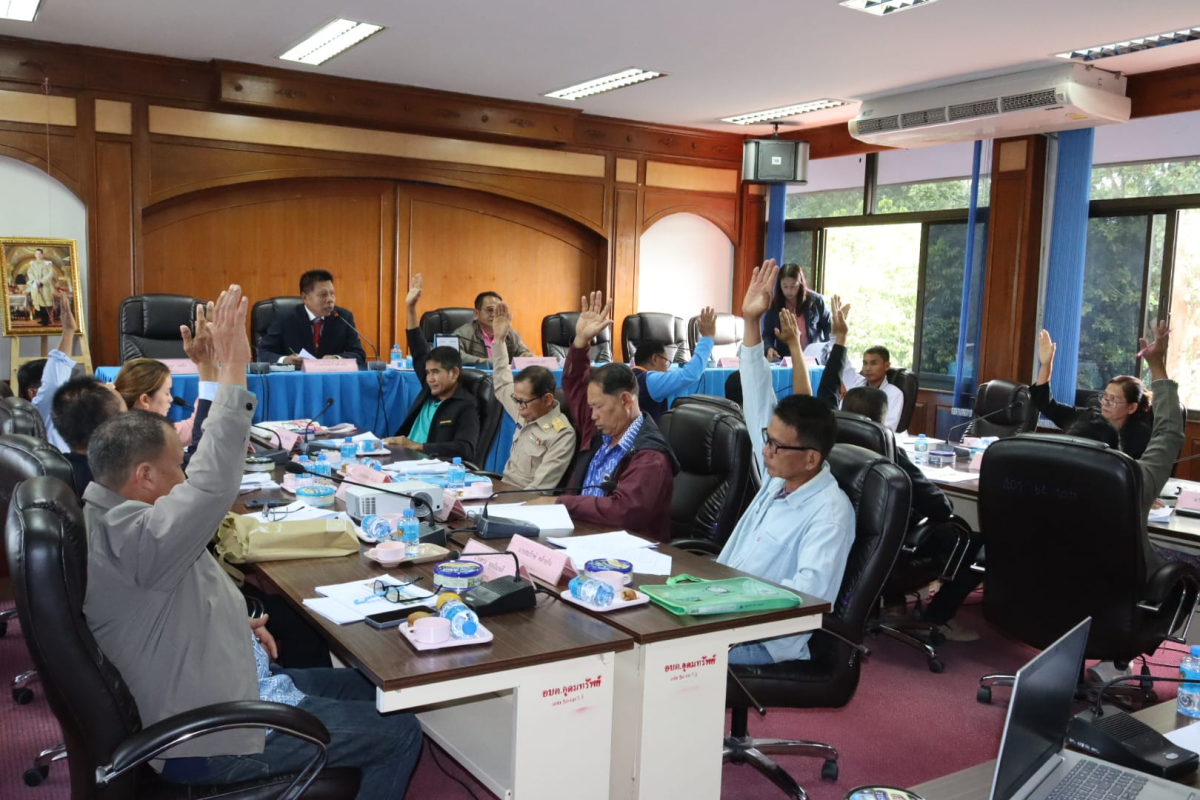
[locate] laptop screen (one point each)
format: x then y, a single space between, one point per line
1039 711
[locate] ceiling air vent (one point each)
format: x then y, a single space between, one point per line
1018 102
930 116
891 123
980 108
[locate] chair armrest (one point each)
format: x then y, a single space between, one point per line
150 742
701 547
1165 579
495 476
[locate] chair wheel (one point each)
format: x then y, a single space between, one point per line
936 665
984 695
937 638
22 696
35 775
829 771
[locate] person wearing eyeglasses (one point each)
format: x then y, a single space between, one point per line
652 369
799 528
1125 403
544 442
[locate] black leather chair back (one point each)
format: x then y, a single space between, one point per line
264 312
1062 524
714 482
864 432
25 457
20 417
733 387
444 321
558 331
907 382
666 328
723 403
731 329
47 549
479 385
149 325
1011 408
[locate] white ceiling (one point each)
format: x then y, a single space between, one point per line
723 57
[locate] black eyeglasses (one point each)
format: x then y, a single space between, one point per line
522 403
391 592
774 447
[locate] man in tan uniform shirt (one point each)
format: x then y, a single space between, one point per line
544 443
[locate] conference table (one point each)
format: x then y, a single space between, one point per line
564 701
975 783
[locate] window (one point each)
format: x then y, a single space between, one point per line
798 249
1183 359
941 308
925 179
834 189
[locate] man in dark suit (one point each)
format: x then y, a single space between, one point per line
318 325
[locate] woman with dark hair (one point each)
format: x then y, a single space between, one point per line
1125 403
793 296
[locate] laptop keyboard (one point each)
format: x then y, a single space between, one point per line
1098 782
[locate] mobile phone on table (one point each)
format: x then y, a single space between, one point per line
259 502
389 619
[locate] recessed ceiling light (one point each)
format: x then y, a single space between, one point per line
883 7
1097 52
618 80
19 10
337 36
783 112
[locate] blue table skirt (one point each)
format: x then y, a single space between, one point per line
359 399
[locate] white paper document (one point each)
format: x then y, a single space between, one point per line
345 595
949 475
1160 514
1187 737
601 540
299 511
306 355
547 517
419 466
641 553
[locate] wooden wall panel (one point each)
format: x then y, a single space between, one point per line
28 143
624 280
751 245
111 267
1190 470
264 236
465 243
717 209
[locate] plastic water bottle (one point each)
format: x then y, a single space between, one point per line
463 622
373 464
590 590
921 450
410 534
324 469
1188 702
397 357
349 450
456 476
377 527
304 479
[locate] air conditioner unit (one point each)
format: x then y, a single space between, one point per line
1053 99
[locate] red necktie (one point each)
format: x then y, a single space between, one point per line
318 323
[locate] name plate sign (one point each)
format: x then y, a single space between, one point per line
542 562
329 365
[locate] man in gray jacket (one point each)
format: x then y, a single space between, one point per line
172 621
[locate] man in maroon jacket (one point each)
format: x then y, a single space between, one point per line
620 447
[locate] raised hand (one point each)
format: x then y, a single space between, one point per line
1155 352
839 311
414 291
228 327
502 321
68 320
758 293
708 322
594 317
789 332
200 347
1046 347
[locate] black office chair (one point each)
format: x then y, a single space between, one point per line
149 325
264 312
558 332
731 329
881 495
714 483
18 416
906 381
444 321
1008 410
733 387
1062 524
479 385
107 747
665 328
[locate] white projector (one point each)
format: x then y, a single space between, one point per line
362 501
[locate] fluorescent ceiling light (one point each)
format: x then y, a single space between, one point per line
1097 52
618 80
20 10
337 36
783 112
884 7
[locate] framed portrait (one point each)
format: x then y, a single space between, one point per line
42 278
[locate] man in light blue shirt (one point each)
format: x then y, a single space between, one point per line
799 528
57 371
657 382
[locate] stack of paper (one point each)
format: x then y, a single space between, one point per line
546 517
338 601
300 511
421 466
949 475
254 481
616 544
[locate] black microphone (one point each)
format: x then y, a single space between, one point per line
296 469
504 527
376 365
179 401
501 595
988 415
308 427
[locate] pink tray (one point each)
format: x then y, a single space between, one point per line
482 636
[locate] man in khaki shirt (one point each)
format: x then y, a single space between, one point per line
544 443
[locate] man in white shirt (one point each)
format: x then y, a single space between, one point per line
798 529
876 362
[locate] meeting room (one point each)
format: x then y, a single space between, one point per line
795 399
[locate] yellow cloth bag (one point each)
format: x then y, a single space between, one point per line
245 539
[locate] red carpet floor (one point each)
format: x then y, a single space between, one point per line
906 725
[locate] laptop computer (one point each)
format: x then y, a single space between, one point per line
1033 765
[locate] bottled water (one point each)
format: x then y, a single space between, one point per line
410 534
397 356
1188 702
921 450
375 465
304 479
456 476
325 470
590 590
377 527
349 450
463 622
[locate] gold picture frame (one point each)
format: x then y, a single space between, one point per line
41 277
